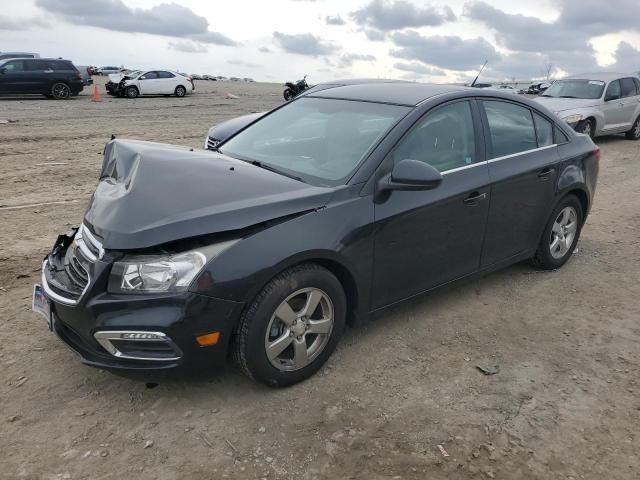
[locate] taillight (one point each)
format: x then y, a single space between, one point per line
596 152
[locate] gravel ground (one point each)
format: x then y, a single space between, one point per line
564 405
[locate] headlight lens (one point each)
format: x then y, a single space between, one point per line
161 273
575 118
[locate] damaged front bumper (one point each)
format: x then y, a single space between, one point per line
124 331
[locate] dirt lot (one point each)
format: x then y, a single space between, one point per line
565 404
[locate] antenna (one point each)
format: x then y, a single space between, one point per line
481 69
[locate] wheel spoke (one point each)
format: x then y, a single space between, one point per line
313 299
300 354
276 347
322 326
286 313
554 245
557 228
571 227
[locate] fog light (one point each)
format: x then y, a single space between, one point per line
208 339
140 336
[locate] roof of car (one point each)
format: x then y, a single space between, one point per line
399 93
604 76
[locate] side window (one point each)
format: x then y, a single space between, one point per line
627 87
165 75
613 91
15 66
511 128
444 138
544 130
637 82
36 65
559 136
149 76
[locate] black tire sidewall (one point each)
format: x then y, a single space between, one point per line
260 313
631 133
131 89
582 124
288 94
60 98
543 255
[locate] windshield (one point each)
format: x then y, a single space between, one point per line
319 140
575 88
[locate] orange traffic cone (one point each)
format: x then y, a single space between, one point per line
96 94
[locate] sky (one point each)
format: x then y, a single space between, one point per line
282 40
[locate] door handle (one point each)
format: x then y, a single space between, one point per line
545 173
474 198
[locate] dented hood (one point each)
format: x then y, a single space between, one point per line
152 193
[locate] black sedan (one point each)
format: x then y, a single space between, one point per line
333 206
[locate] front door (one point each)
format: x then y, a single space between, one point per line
149 83
12 77
426 238
613 108
523 166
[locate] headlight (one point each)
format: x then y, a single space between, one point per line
162 273
575 118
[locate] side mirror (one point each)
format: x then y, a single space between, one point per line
411 175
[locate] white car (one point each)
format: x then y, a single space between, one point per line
155 82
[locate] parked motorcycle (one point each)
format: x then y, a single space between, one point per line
294 89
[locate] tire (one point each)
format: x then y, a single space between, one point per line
634 133
60 91
586 126
566 220
180 91
288 94
131 92
261 326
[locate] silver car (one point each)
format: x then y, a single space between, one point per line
597 104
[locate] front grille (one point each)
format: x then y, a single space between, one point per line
66 276
212 143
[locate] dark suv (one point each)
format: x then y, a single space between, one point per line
54 78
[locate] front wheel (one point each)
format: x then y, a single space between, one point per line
180 91
292 327
561 235
586 127
131 92
288 94
634 133
60 91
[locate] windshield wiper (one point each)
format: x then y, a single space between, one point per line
545 95
567 96
258 163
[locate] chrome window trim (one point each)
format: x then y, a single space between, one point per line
504 157
59 298
464 167
104 337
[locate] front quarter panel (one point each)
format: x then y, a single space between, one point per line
338 234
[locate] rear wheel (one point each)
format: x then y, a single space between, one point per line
180 91
131 92
634 133
288 94
586 127
292 326
60 91
561 235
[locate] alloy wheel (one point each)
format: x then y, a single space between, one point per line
60 91
636 129
299 329
563 232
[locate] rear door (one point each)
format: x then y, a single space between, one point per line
523 167
426 238
167 82
630 101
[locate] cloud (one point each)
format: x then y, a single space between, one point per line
389 15
415 67
627 58
375 35
187 46
7 23
335 20
348 59
596 17
242 63
448 52
264 50
304 44
169 19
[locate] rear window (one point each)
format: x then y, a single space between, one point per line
165 75
511 128
627 87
